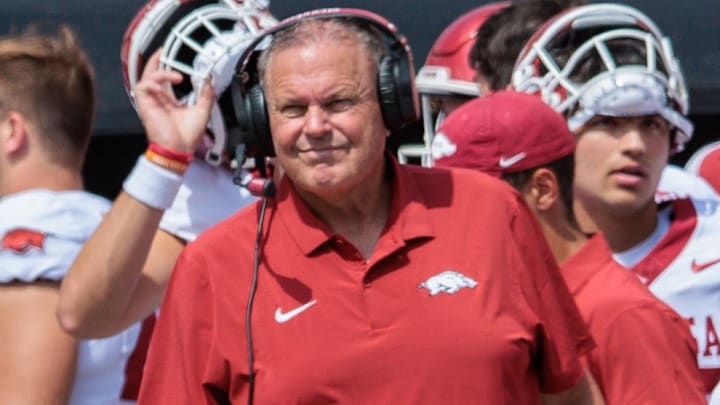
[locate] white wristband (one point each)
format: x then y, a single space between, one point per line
152 184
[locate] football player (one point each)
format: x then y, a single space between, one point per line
183 183
47 104
446 80
614 76
645 352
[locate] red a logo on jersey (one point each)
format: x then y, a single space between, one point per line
21 240
709 342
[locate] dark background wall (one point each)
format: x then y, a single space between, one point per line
118 140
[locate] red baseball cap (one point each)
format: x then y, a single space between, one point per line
504 132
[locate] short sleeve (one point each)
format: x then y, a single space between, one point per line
178 357
562 336
641 358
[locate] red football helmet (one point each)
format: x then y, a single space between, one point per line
656 86
447 72
199 39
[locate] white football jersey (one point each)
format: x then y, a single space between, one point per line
675 182
715 397
41 232
207 196
683 270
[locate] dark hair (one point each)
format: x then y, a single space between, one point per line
49 79
502 36
564 170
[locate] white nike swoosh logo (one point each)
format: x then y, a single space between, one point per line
282 317
507 162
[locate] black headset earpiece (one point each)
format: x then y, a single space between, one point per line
256 108
246 120
395 90
395 81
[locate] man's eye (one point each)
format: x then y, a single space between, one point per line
656 123
293 111
601 121
339 105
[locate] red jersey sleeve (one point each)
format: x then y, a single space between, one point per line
562 336
181 345
646 368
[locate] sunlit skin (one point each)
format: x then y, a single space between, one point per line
618 162
325 119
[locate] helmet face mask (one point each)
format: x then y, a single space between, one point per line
202 40
447 78
605 59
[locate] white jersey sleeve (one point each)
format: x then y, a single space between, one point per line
41 233
207 196
683 270
676 183
705 163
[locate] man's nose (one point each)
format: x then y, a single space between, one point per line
316 121
633 140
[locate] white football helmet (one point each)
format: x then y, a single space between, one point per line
200 39
447 72
654 87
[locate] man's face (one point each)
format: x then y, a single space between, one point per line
618 162
325 119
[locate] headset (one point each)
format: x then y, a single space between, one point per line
245 105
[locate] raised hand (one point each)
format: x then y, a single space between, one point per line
168 123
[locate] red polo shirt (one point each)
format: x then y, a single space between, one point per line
645 353
460 301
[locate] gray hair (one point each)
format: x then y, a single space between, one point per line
314 30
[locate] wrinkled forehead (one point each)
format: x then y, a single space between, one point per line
310 33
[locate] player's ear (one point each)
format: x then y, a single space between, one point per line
543 189
13 132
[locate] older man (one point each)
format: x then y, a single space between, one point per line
369 282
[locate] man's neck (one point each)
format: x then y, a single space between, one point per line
359 216
40 177
623 232
563 237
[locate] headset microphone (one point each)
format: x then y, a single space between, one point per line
261 186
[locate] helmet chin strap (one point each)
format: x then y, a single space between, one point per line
214 155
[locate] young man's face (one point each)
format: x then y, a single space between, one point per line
618 162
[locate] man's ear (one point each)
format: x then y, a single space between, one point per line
13 133
543 190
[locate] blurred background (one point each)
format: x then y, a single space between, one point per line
693 26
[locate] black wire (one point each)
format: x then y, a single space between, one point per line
251 299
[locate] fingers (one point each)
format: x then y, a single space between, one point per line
206 96
153 77
153 63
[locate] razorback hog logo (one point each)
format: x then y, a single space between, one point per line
448 282
21 240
